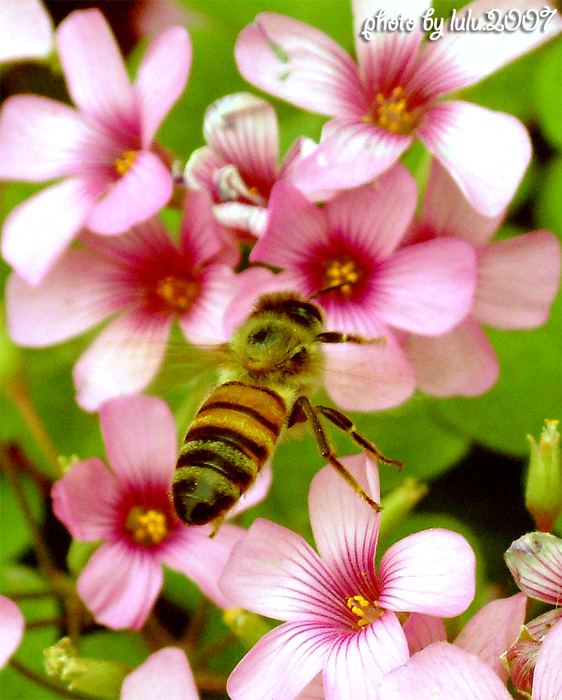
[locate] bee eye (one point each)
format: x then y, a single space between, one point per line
258 337
300 356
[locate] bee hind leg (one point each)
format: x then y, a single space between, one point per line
303 404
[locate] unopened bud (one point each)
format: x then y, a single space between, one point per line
543 496
400 502
93 676
248 627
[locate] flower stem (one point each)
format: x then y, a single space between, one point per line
44 682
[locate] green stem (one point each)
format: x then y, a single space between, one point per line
44 682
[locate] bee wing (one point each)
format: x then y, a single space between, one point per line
368 377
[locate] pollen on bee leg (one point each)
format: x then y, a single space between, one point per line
125 162
147 527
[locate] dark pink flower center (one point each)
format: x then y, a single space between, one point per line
390 111
341 272
365 611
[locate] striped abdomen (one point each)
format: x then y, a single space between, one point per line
232 436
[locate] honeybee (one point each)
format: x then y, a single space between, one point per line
271 366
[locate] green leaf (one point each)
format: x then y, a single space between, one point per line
549 202
547 97
16 535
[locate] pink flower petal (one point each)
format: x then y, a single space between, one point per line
313 691
432 571
518 279
246 217
547 681
71 298
243 129
374 218
282 663
120 585
447 212
368 377
26 30
461 362
357 663
427 288
136 196
139 434
300 64
493 629
202 558
85 500
535 561
422 630
41 139
95 73
539 626
486 152
473 55
274 572
443 671
165 675
199 171
256 493
38 230
161 78
346 528
350 153
200 234
122 360
11 625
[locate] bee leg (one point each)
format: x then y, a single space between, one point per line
217 522
336 337
303 404
341 421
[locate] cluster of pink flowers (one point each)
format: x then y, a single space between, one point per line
420 272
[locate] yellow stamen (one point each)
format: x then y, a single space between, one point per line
125 161
177 294
341 271
147 527
390 112
365 610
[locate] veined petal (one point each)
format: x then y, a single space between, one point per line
427 288
368 377
274 572
42 139
282 663
295 226
85 500
243 129
12 624
350 153
493 629
120 585
432 571
165 675
358 662
37 231
26 30
443 671
535 562
136 196
200 233
246 217
122 360
314 690
447 212
137 452
70 299
300 64
518 279
95 73
161 78
460 362
422 630
202 558
485 152
200 169
346 528
547 680
473 55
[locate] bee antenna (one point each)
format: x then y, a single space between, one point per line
324 290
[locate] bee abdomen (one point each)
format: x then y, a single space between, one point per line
231 438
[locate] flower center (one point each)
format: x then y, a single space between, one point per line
147 527
365 610
341 272
391 113
177 294
125 161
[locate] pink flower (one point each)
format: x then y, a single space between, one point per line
517 282
26 30
392 95
444 670
341 616
141 278
130 510
104 152
240 165
535 561
11 629
165 675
